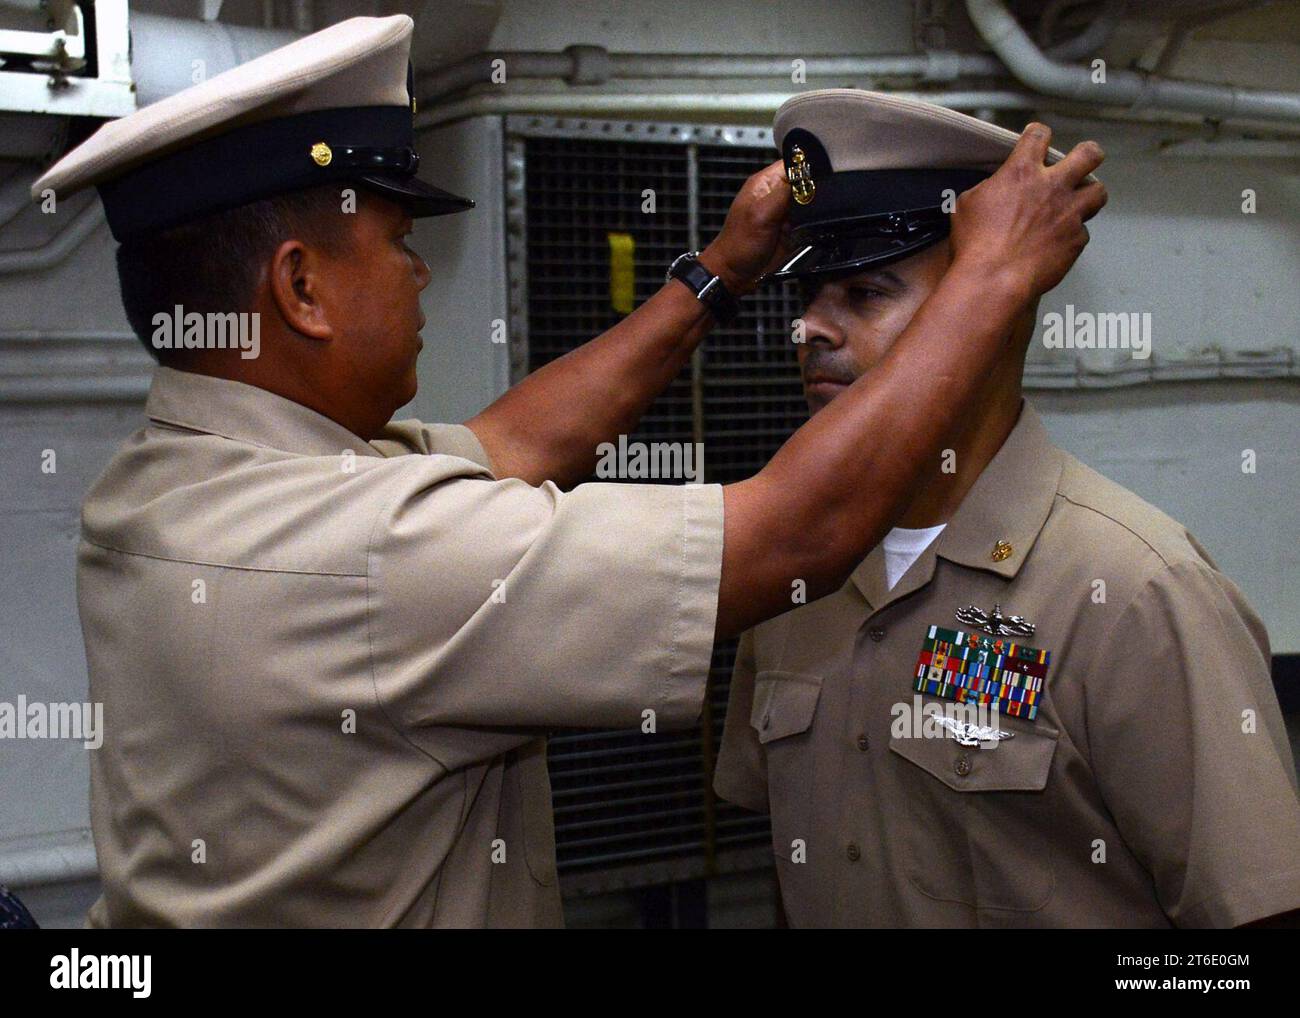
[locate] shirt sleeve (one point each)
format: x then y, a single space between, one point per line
499 604
741 772
411 436
1190 752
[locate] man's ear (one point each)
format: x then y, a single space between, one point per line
295 281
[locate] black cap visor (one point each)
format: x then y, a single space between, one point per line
417 197
876 241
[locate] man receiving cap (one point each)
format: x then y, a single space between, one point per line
328 645
1037 702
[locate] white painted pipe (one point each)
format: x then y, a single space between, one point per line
594 65
614 105
1031 66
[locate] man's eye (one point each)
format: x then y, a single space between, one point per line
861 294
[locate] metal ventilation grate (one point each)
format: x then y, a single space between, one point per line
637 807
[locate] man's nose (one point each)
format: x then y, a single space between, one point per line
820 327
422 273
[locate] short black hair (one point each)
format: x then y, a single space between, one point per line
213 265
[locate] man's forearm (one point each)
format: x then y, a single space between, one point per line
548 426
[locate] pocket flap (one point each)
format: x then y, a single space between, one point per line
1019 764
784 703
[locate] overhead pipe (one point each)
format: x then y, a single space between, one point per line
1031 66
594 65
761 106
758 104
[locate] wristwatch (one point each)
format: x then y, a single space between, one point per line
721 303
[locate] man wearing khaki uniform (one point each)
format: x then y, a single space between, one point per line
1130 768
328 644
381 703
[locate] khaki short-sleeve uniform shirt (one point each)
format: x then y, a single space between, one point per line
327 665
1154 784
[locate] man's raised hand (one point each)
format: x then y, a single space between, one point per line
754 238
1024 225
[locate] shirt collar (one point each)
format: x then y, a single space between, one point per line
997 522
245 413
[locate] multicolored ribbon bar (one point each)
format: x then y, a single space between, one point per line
971 667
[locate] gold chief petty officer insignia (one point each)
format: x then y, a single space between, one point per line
800 177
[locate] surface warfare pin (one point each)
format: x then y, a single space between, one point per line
995 624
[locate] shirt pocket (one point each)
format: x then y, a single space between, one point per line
783 713
976 821
784 704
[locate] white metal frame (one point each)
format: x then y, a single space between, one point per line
110 94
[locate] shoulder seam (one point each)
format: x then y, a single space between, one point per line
1119 523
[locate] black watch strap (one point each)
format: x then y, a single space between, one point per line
711 291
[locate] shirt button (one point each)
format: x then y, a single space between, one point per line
863 744
854 853
877 634
962 766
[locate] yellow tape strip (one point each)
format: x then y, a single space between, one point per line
622 272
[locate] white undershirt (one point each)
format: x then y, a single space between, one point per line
903 547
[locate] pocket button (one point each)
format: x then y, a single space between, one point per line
854 853
877 634
962 766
